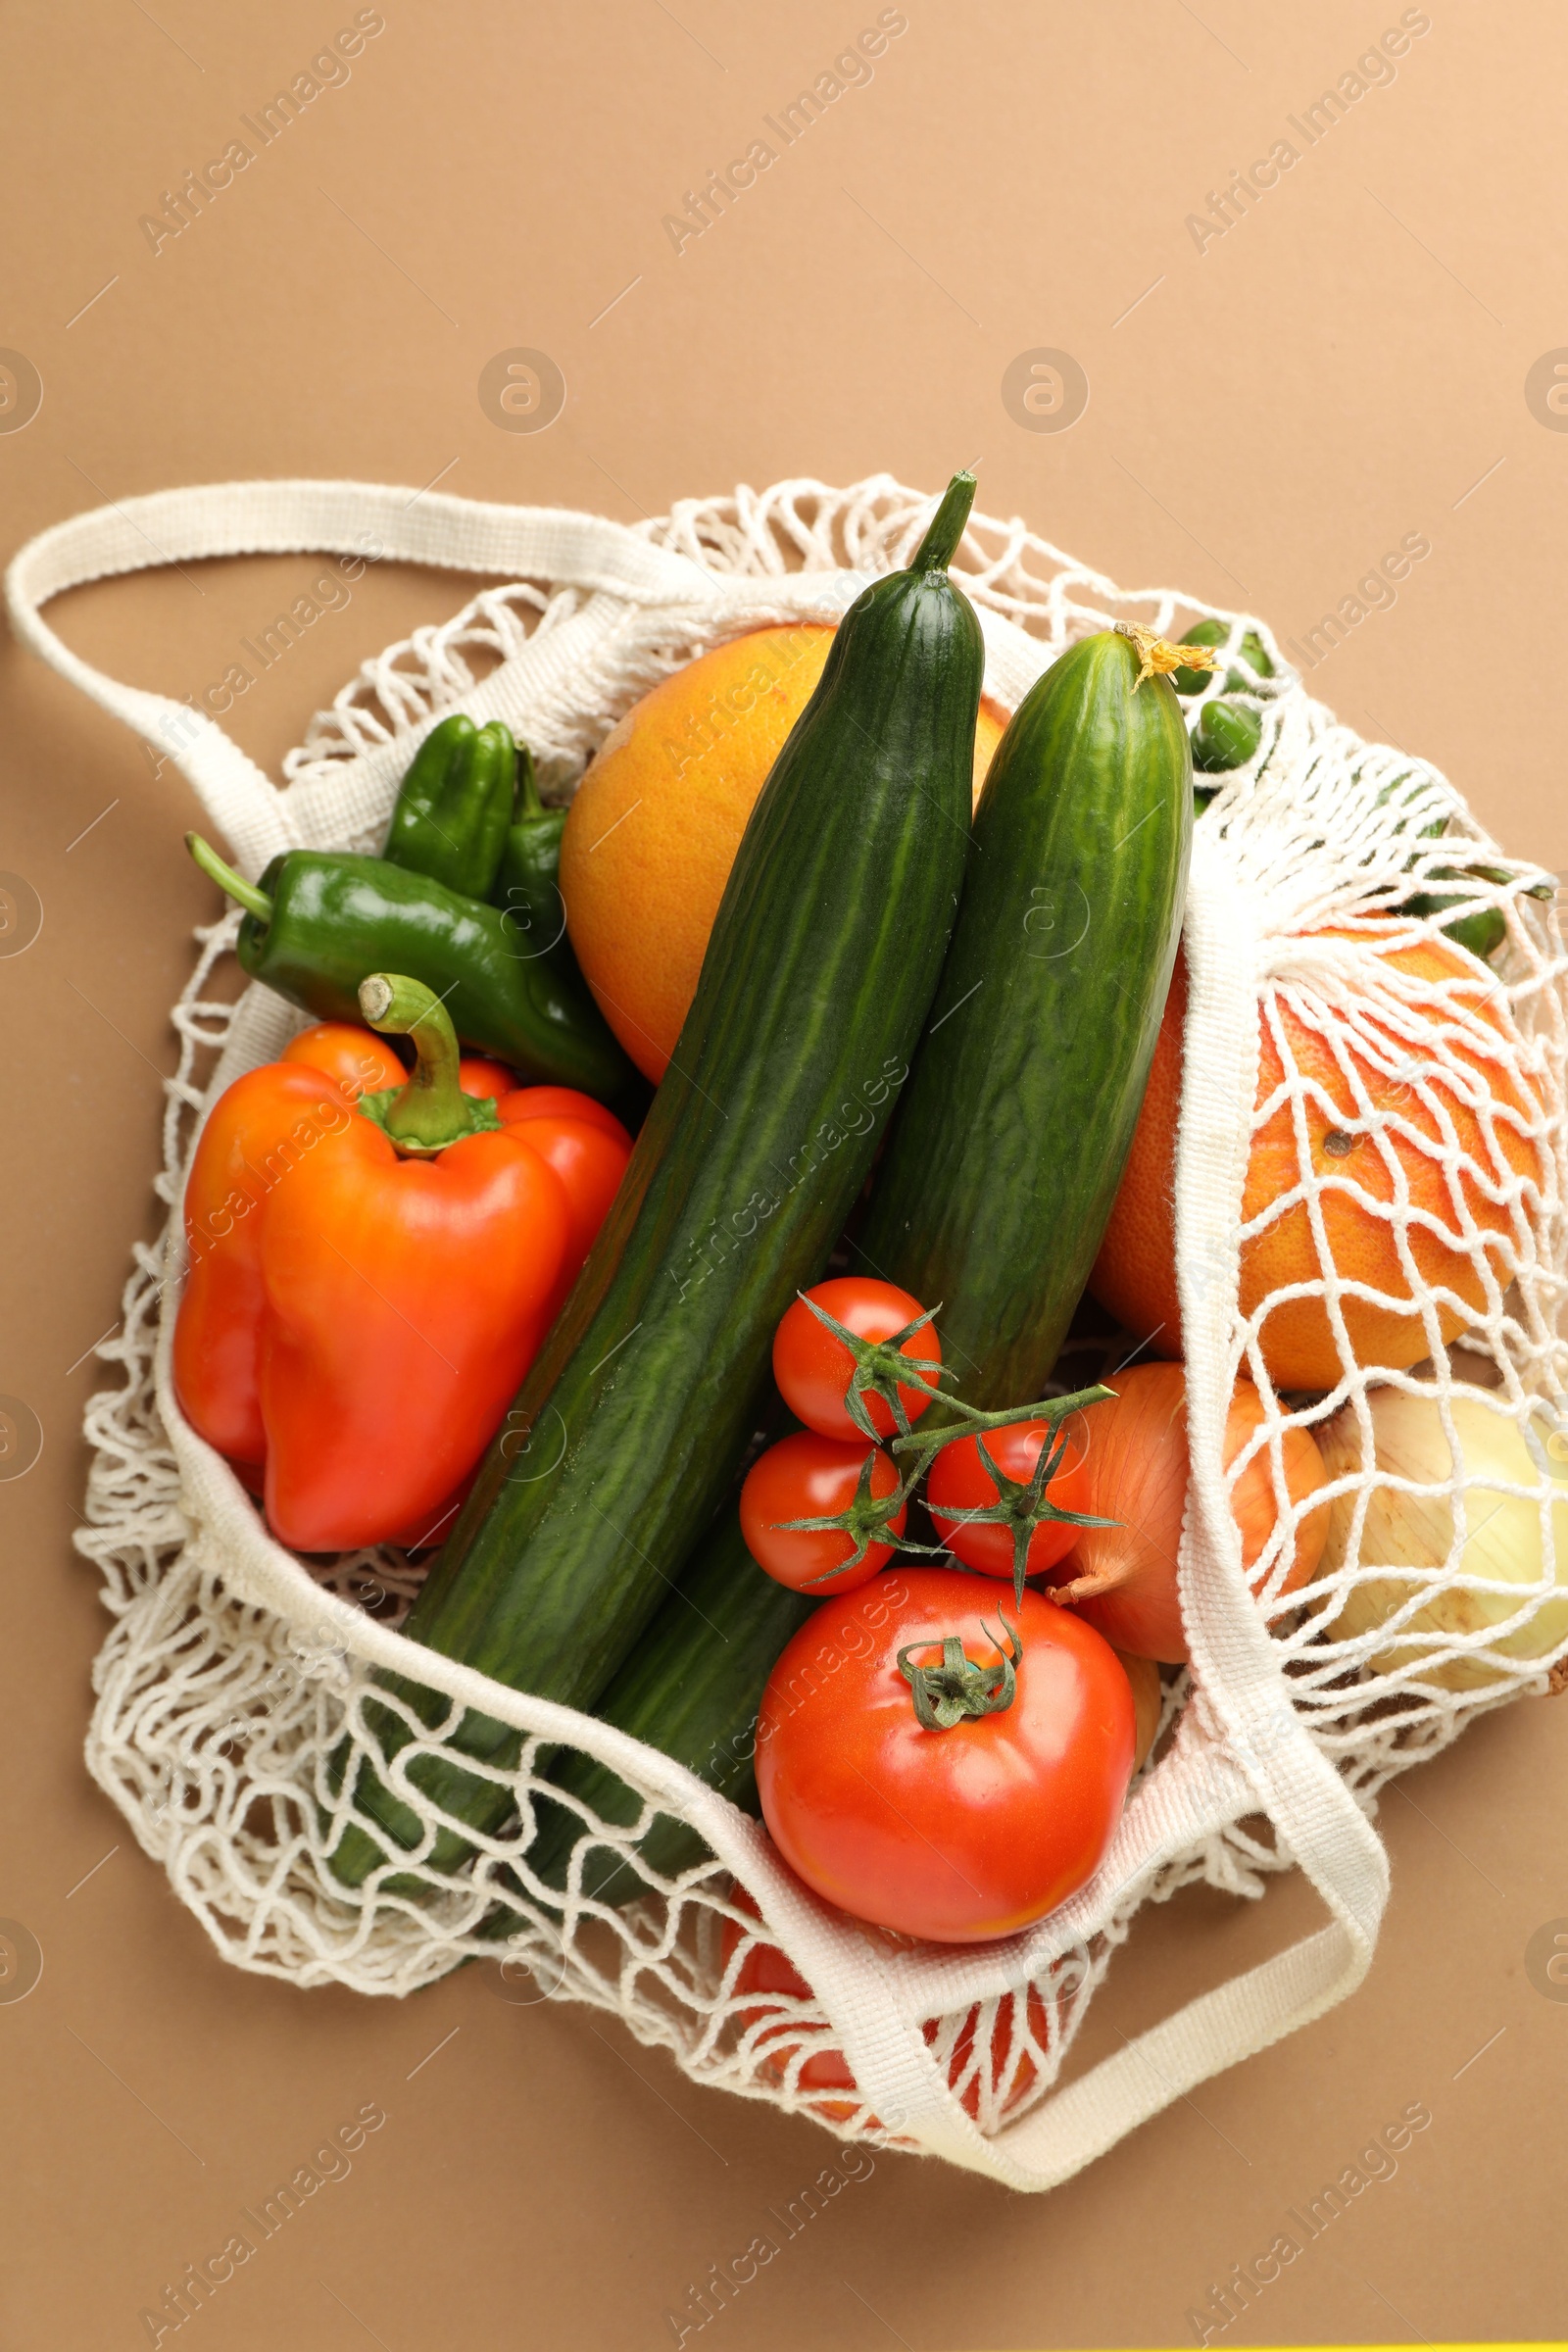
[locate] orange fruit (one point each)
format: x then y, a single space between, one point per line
1135 1273
652 832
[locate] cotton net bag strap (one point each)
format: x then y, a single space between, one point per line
1247 1751
344 518
1261 1756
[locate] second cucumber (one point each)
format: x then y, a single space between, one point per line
1009 1142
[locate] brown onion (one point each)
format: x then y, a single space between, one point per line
1149 1698
1123 1579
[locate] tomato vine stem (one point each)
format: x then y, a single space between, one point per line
880 1368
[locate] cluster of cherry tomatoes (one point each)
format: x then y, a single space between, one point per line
816 1473
933 1756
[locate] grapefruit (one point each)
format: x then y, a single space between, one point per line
652 832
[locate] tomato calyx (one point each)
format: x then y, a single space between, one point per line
960 1690
1021 1504
867 1519
880 1368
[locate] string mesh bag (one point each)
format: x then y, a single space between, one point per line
1323 1003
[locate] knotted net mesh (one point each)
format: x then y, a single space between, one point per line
1402 1167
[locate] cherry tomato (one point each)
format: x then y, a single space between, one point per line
560 1103
361 1062
805 1476
961 1481
812 1367
824 2068
959 1835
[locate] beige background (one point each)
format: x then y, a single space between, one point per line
1341 368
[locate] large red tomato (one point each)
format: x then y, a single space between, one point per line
962 1834
960 1481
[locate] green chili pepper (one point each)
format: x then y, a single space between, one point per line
1215 632
453 810
319 923
1227 734
526 885
1483 930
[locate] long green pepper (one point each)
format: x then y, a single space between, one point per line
319 923
527 883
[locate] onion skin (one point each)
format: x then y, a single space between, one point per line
1148 1696
1416 1531
1122 1579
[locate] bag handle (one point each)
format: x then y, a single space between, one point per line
285 518
1235 1661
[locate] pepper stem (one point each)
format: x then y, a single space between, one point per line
432 1110
255 902
940 545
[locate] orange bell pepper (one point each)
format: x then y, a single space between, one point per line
360 1062
368 1282
363 1065
587 1147
584 1142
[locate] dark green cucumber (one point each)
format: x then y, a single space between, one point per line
1010 1141
821 970
692 1688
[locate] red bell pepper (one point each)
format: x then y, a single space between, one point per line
368 1283
362 1064
587 1147
584 1142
